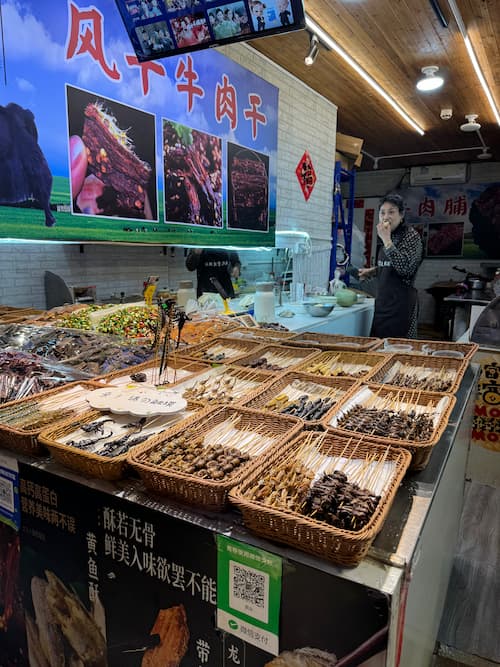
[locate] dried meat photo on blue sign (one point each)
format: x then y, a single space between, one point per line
88 161
193 175
248 189
112 157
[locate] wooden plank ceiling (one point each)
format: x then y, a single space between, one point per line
392 40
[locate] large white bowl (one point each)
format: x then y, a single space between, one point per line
317 309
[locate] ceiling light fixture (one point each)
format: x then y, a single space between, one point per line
330 43
485 155
313 51
430 81
470 125
473 58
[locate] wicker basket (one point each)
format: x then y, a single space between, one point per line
336 342
203 492
467 349
234 350
88 463
234 396
331 360
290 357
421 450
267 336
25 440
196 332
342 547
261 398
455 367
175 362
18 315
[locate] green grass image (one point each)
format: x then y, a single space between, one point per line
29 223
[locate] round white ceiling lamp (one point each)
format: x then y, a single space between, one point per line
485 155
470 125
430 81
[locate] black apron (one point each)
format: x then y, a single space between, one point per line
395 302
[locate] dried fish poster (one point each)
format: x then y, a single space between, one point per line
114 582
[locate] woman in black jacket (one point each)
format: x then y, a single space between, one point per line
398 259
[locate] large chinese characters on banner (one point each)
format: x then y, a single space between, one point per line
457 220
99 146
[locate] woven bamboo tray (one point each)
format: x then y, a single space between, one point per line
421 450
467 349
18 315
290 357
88 463
196 332
233 350
433 365
336 342
268 336
342 547
261 398
25 440
151 368
7 309
237 394
204 492
341 361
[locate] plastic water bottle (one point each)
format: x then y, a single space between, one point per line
264 302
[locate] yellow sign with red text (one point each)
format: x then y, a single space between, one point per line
486 422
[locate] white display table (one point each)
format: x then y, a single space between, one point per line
352 321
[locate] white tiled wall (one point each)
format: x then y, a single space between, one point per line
306 122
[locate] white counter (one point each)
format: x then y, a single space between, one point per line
352 321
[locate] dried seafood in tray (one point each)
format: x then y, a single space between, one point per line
23 374
355 365
326 494
302 396
221 350
21 421
226 384
405 418
262 335
97 444
277 358
89 352
425 373
175 370
197 331
199 460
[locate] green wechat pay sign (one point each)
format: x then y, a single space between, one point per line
249 593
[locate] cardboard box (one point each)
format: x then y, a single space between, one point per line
350 146
345 162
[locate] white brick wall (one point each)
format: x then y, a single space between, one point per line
306 122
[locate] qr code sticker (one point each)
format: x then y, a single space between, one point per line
249 591
6 494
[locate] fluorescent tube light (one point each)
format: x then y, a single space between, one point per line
329 42
473 58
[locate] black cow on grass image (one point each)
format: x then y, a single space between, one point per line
24 173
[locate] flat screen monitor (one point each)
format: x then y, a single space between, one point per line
162 28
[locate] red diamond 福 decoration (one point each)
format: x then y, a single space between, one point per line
306 175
